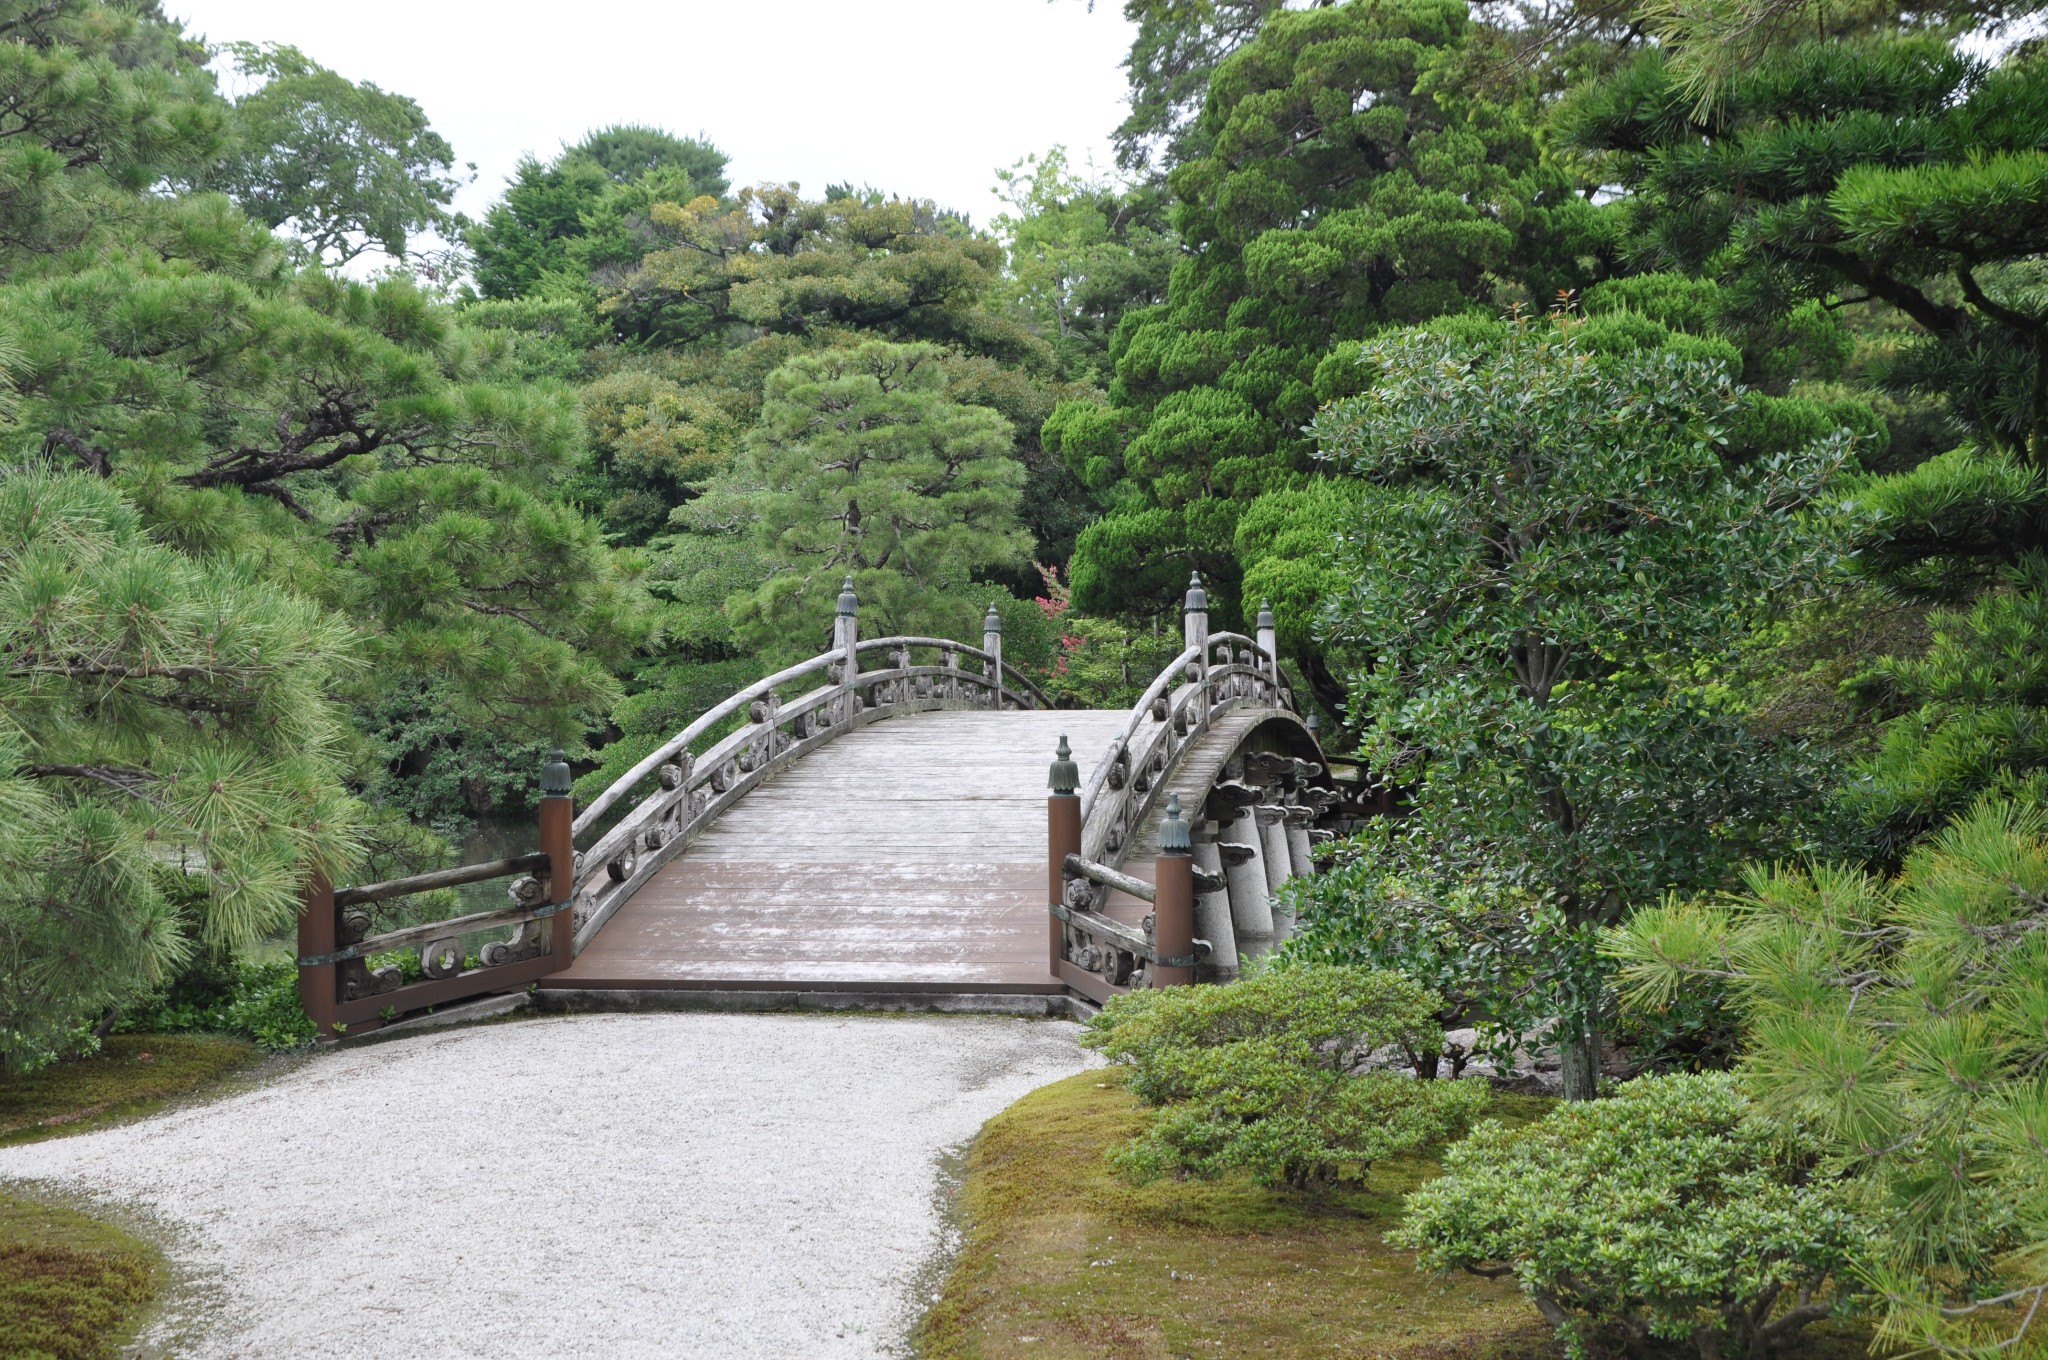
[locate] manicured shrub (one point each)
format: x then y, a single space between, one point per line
1673 1211
1263 1075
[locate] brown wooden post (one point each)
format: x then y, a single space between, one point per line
320 984
1062 838
558 843
1173 909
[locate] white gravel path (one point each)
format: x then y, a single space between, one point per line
617 1185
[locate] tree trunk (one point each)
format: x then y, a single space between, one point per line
1579 1065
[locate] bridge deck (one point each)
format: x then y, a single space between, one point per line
907 856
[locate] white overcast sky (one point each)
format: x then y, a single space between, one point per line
924 98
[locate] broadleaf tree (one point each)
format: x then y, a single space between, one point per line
1551 560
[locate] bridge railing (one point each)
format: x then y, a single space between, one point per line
348 979
846 690
1091 831
561 896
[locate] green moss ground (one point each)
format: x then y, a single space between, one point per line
72 1287
1061 1260
133 1074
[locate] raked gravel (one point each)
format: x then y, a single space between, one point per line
678 1185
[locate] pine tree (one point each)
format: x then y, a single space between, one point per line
1342 189
1904 1019
862 466
170 763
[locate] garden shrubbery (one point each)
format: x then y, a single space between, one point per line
1263 1075
1672 1211
257 1001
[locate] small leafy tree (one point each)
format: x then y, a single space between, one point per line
349 167
1667 1212
1262 1075
169 761
1907 1021
1551 560
861 465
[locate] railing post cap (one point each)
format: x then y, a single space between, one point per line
554 776
1314 723
1173 832
1198 598
992 622
1265 613
849 603
1066 775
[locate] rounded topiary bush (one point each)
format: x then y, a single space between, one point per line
1671 1211
1263 1075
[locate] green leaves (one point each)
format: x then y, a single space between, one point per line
1902 1021
1335 196
1258 1075
1894 169
350 167
1671 1210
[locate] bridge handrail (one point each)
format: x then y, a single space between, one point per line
1106 823
1139 712
966 649
680 742
695 789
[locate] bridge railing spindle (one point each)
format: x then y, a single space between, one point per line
992 643
1062 838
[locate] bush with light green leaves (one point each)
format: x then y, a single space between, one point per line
1673 1211
1263 1075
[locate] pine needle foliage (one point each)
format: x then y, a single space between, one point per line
863 465
169 760
1906 1020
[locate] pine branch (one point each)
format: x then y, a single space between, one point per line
124 778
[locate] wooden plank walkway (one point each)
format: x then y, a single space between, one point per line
904 857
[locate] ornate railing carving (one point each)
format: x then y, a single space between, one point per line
1265 795
341 993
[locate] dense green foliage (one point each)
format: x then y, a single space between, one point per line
171 760
348 167
1261 1075
1338 192
1739 557
862 468
1902 1020
1550 550
1669 1212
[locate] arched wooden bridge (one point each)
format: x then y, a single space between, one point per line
876 825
